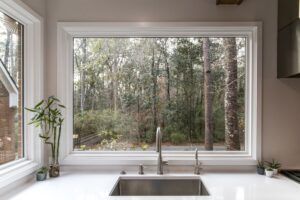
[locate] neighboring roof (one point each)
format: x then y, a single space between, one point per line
10 85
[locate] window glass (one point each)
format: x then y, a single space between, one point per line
191 87
11 89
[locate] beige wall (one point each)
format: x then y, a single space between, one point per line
39 6
281 98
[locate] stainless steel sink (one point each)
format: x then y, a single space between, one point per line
159 186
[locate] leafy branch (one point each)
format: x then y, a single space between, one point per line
48 117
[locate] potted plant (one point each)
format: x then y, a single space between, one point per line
275 165
48 117
41 174
269 172
260 167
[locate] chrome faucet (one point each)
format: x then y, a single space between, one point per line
197 163
160 161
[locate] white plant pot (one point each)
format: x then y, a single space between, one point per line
275 171
269 173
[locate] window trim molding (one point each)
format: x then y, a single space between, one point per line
66 31
33 90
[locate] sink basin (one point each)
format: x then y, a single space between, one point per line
159 186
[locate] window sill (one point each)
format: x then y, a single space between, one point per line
16 172
150 158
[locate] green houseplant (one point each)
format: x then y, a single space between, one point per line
260 167
275 165
41 174
48 117
269 172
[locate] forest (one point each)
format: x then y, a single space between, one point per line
191 87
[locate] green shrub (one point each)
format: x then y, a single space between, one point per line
167 131
149 137
177 138
85 124
108 125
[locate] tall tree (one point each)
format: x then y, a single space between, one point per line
154 88
232 139
208 95
82 75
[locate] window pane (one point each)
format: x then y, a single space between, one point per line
11 89
193 88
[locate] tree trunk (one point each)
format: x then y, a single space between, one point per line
167 68
111 88
168 82
154 90
115 85
208 96
190 98
232 139
82 76
138 111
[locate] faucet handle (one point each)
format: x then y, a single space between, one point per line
123 172
141 169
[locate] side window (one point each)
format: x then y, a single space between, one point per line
11 89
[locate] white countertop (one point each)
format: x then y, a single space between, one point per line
221 186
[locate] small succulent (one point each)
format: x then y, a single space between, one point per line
42 170
260 164
274 164
269 168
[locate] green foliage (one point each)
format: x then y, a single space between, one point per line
42 170
108 135
86 123
273 164
260 164
125 87
144 146
177 138
149 136
82 147
48 117
269 168
167 132
108 125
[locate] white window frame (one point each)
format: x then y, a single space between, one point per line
252 30
32 88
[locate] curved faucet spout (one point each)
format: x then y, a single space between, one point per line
196 156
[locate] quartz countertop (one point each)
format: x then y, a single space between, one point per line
221 186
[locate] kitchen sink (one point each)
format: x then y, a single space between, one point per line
159 186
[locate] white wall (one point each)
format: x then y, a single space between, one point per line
39 6
281 98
